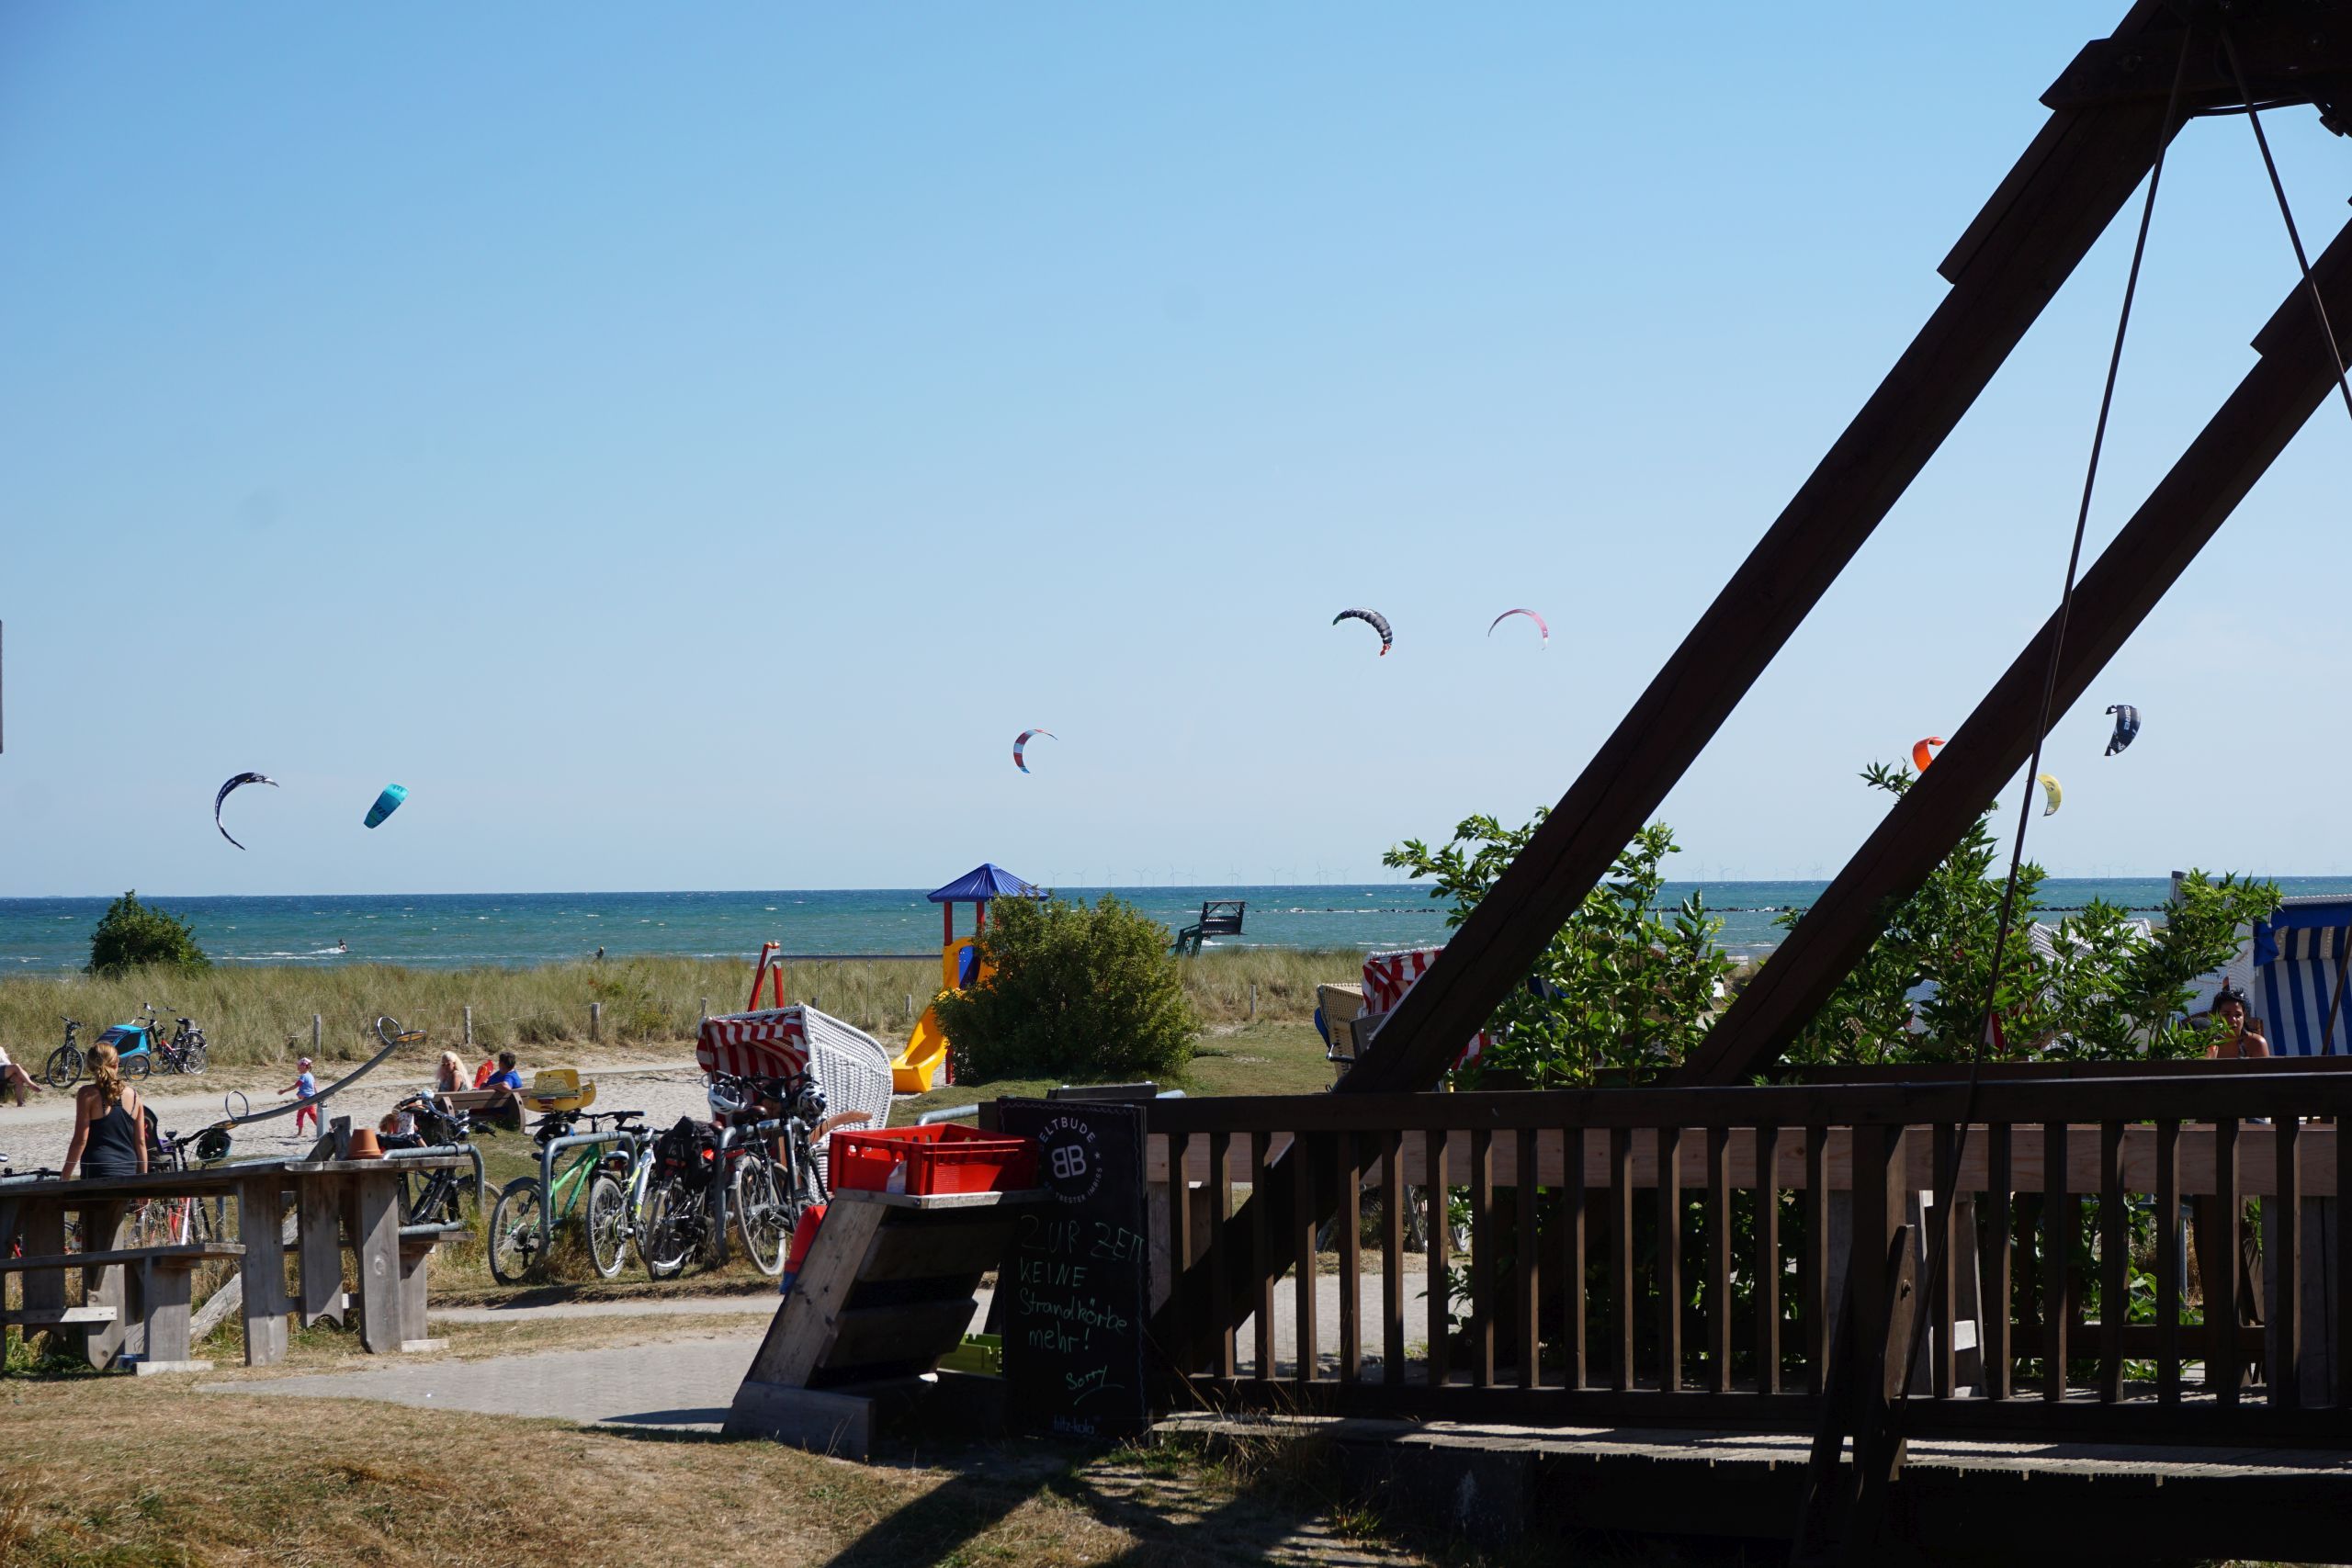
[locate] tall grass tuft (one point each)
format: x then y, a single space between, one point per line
261 1014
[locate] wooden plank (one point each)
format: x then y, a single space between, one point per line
319 1268
1997 1297
1482 1258
1768 1264
1814 1274
2169 1258
1180 1244
1669 1260
1719 1298
1944 1360
820 1420
1392 1257
2223 1367
2053 208
959 1249
42 1225
1303 1226
802 1330
2341 1352
2114 1249
108 1223
1621 1256
1440 1299
1270 1266
1526 1298
375 1262
58 1317
2057 1256
2285 1246
908 1331
1574 1321
265 1304
194 1250
1220 1179
1347 1150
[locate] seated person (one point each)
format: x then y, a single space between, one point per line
15 1082
505 1086
398 1131
2235 1035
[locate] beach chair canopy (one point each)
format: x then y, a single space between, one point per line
1388 975
848 1064
2298 954
982 882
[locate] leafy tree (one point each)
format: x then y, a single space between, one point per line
1078 991
2107 992
132 934
1619 986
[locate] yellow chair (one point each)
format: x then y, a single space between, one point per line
560 1088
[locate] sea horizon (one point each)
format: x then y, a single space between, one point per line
447 931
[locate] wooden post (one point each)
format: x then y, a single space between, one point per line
596 1020
318 1035
321 1251
376 1240
264 1270
1253 1001
469 1026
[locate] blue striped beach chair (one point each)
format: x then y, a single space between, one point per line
2298 954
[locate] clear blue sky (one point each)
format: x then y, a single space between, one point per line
685 449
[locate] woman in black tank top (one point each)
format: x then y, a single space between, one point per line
109 1126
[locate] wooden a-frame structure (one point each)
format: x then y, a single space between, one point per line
2108 115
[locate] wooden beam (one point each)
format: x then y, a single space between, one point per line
2046 215
2293 376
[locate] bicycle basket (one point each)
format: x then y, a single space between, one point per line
689 1145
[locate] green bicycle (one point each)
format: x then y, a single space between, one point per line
598 1175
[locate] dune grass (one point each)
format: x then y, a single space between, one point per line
262 1014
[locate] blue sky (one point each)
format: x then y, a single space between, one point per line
684 449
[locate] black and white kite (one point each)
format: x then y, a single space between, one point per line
237 782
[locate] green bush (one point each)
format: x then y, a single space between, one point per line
1086 993
133 935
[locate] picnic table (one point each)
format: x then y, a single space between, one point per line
150 1286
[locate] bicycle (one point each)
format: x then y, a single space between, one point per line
673 1194
768 1197
176 1221
64 1064
597 1172
433 1196
183 1052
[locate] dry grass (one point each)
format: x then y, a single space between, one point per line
262 1013
334 1482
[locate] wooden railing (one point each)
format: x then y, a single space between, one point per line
1670 1256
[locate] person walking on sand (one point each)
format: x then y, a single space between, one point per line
110 1122
307 1088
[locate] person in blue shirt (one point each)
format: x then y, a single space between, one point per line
306 1088
505 1088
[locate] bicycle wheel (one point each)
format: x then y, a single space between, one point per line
669 1237
607 1226
192 1060
760 1215
514 1231
138 1066
65 1066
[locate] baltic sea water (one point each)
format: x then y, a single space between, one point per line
458 929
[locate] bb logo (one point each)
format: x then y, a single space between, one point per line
1069 1163
1071 1170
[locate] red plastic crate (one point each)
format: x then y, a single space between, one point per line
944 1158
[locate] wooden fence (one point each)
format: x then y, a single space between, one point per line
1675 1257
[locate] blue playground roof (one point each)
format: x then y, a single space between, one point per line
983 883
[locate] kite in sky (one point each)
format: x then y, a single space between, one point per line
1374 619
1532 616
1923 752
1021 742
385 804
2127 727
2051 793
238 782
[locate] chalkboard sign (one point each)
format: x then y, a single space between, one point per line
1077 1280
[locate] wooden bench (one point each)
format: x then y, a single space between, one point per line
165 1293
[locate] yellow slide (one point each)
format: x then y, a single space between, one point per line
925 1054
